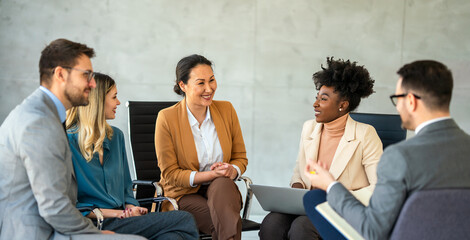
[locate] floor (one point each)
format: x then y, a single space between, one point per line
252 235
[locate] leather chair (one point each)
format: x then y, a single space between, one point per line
142 119
434 214
388 126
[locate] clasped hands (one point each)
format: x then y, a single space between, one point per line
224 170
132 211
318 175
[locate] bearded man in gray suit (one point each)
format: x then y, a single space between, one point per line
436 157
37 187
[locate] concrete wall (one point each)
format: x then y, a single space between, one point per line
265 52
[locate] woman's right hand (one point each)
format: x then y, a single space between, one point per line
224 170
217 169
133 212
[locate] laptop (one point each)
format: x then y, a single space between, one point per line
280 199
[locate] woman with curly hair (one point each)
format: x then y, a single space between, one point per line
350 150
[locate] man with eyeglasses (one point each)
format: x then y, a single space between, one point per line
436 157
38 190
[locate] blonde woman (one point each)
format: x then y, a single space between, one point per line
100 165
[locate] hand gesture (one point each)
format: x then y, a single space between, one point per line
317 174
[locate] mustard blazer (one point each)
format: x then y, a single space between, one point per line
176 150
355 160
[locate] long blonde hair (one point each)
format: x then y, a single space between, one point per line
89 121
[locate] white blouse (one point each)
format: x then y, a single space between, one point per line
207 144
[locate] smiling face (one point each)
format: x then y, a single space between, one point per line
77 88
110 103
327 105
200 88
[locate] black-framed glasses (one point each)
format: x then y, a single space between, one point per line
395 97
90 74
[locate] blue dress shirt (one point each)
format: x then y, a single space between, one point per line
107 186
58 104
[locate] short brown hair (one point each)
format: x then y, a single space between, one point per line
60 52
429 79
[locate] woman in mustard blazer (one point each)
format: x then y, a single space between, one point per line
350 150
200 151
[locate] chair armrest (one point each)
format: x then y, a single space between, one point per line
97 212
249 196
157 185
159 200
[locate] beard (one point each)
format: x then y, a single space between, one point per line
406 121
75 96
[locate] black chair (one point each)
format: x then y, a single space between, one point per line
142 118
388 126
434 214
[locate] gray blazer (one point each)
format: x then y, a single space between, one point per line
437 157
37 187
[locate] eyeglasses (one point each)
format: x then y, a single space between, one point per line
395 97
90 74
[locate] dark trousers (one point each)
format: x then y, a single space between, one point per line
324 228
162 225
216 208
286 226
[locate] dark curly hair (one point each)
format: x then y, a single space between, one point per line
350 81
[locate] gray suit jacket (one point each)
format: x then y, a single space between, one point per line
37 189
437 157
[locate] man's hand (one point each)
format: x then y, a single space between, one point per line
318 175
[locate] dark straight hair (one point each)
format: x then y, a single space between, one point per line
184 67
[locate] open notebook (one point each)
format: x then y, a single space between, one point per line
337 221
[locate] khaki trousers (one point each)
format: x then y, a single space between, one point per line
216 208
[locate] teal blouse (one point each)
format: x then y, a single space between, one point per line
107 186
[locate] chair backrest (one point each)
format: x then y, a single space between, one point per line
142 118
388 126
435 214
